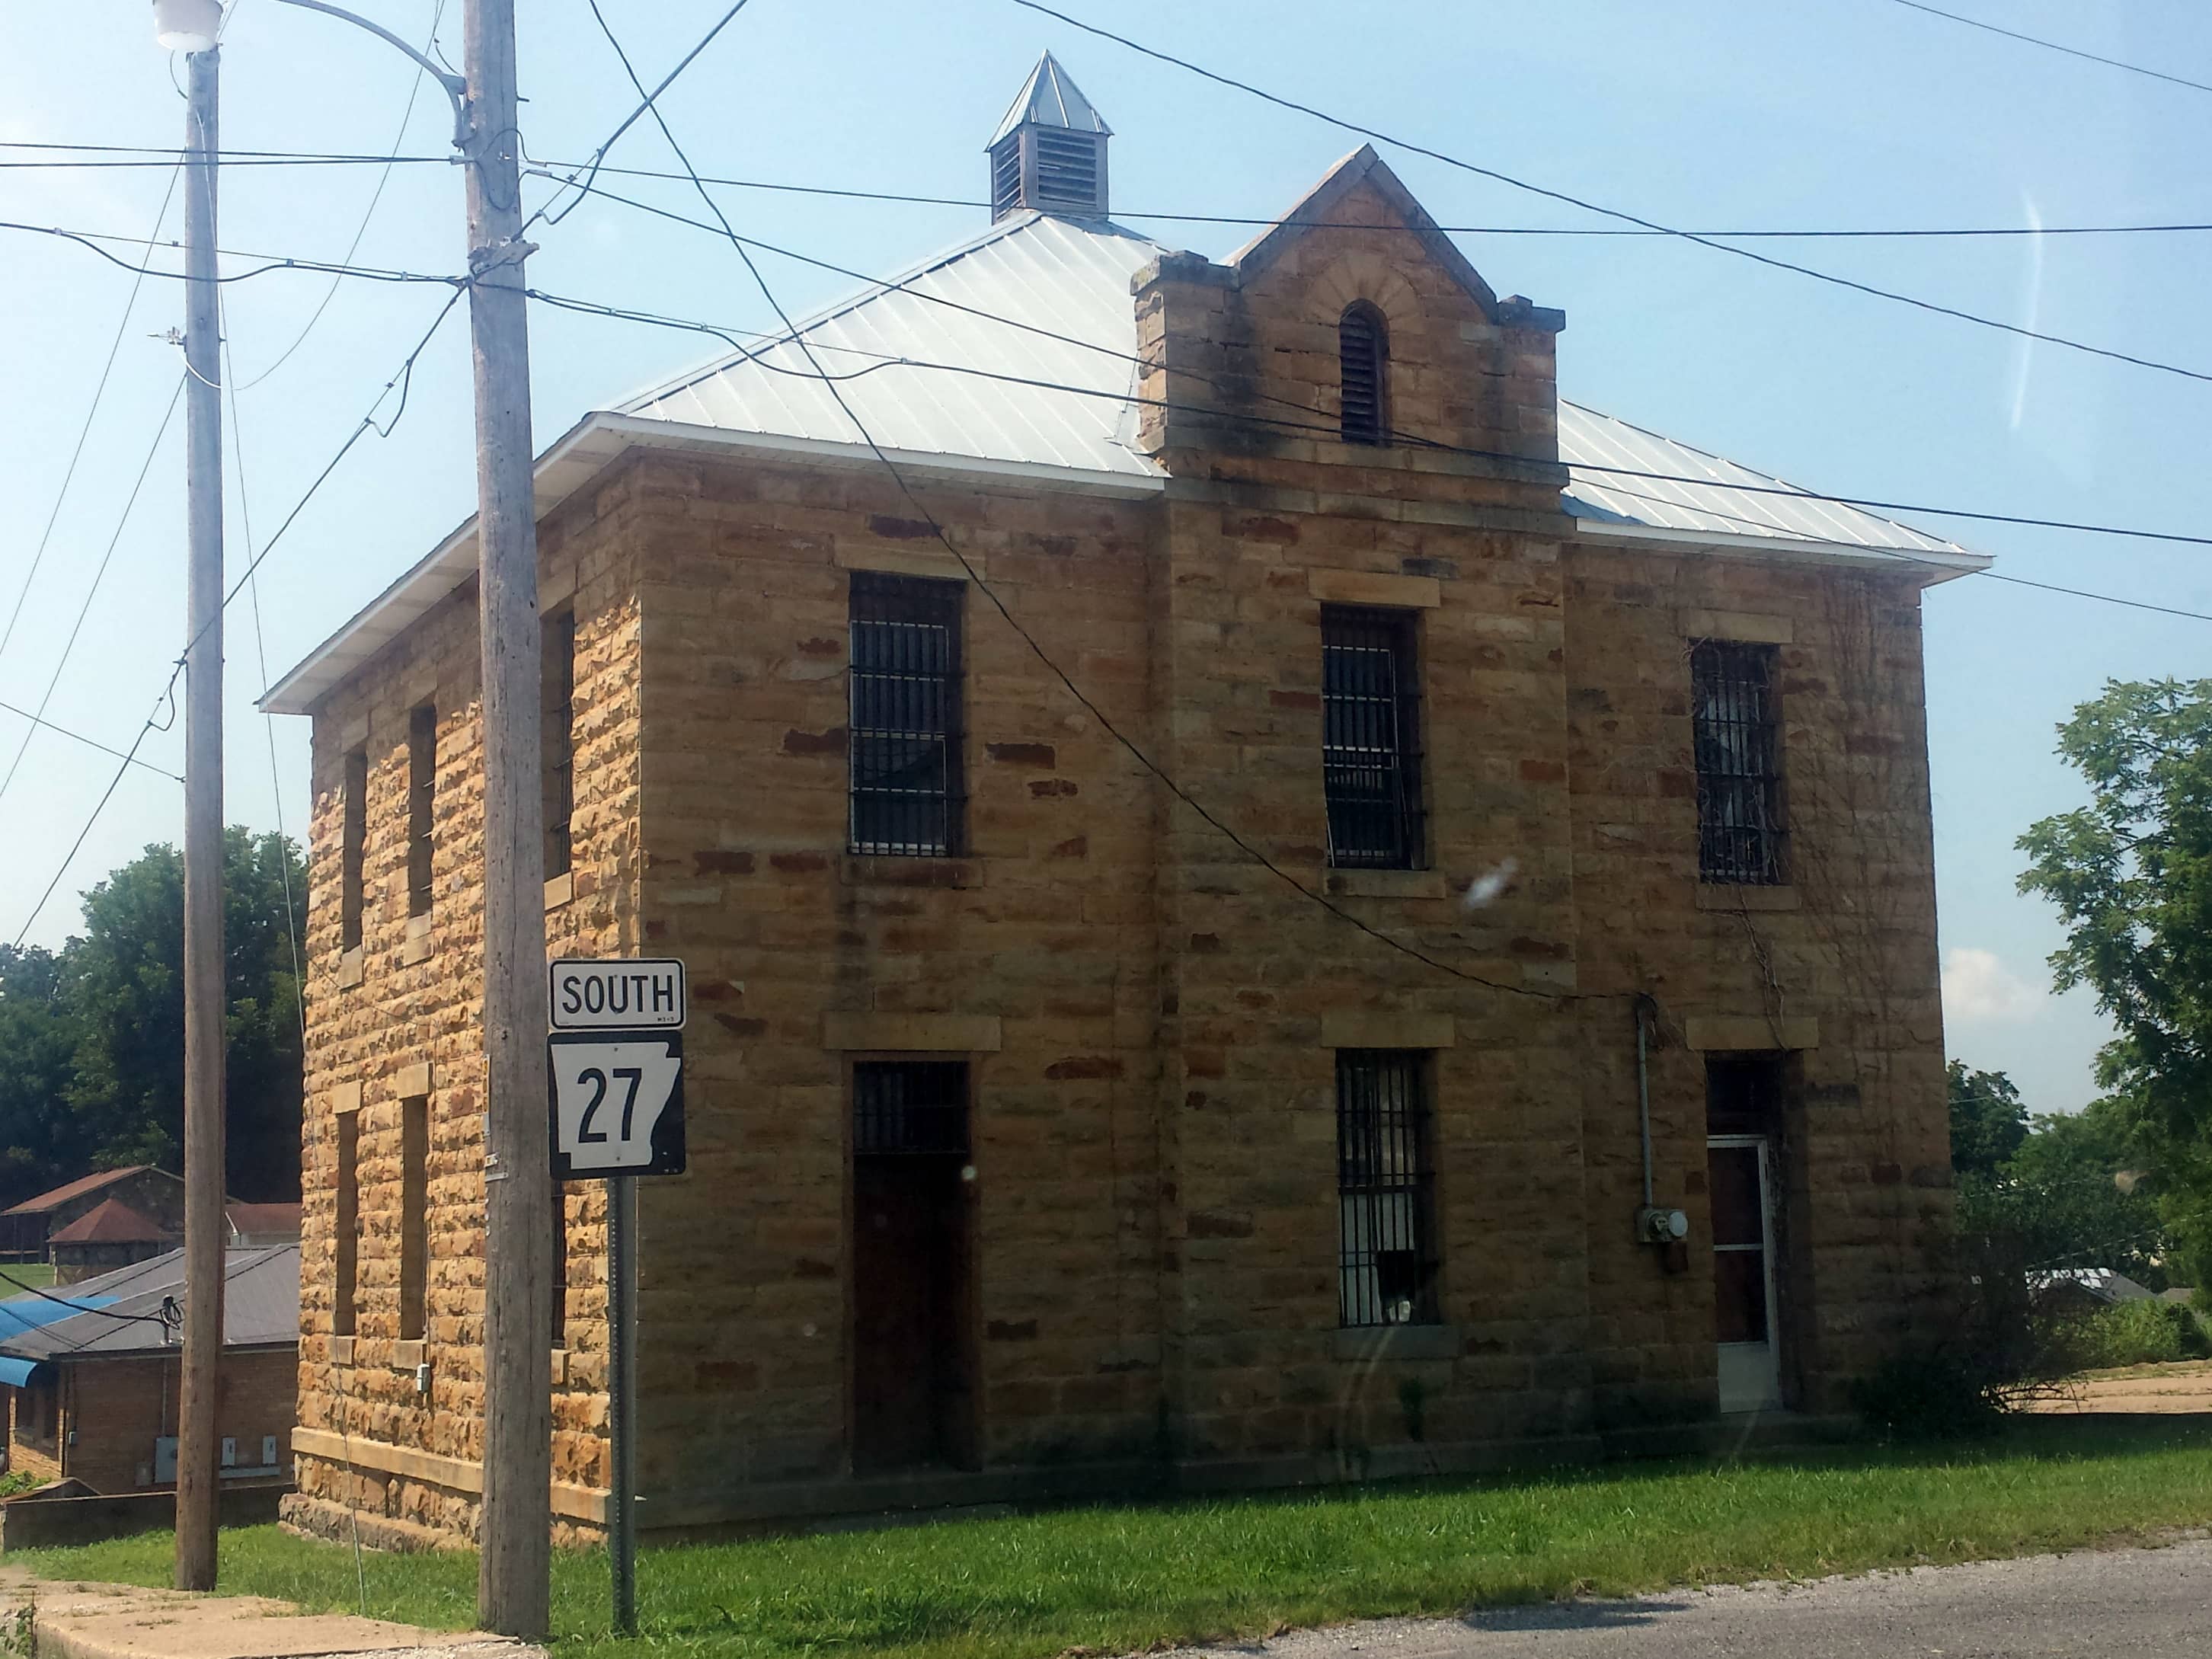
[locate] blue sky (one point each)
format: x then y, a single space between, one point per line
1708 114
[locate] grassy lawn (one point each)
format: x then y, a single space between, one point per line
1118 1579
16 1277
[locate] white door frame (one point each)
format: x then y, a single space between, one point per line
1744 1352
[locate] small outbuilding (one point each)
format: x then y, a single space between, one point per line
28 1228
90 1380
111 1235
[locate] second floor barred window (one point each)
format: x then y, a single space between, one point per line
1370 737
1737 738
353 846
906 794
422 802
1386 1252
557 681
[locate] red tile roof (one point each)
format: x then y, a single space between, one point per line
111 1222
78 1188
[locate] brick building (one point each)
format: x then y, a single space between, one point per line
91 1395
1264 1108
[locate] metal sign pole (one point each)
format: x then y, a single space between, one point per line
621 1395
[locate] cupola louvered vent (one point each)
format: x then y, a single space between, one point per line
1363 361
1048 155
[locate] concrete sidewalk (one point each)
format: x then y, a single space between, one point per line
118 1621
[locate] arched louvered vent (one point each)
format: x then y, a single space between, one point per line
1363 361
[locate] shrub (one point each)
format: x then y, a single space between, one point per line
1930 1393
2139 1333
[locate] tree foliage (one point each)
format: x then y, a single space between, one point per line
2132 875
1988 1122
93 1035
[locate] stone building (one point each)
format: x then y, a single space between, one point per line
1192 839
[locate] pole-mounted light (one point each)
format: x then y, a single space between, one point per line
187 25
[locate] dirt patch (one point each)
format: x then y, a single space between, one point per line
2162 1390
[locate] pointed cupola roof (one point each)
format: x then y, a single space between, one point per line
1049 98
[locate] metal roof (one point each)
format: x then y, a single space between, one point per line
953 366
1049 98
260 1307
112 1221
92 1183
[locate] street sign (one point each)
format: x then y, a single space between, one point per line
627 993
617 1103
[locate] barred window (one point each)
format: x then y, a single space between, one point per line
560 1252
1363 362
421 793
345 1226
1370 737
905 718
353 843
1387 1255
556 681
1738 744
910 1107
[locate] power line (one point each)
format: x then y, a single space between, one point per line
99 571
631 120
79 1307
414 91
998 605
2053 46
92 239
161 154
402 378
98 391
554 170
94 743
1698 238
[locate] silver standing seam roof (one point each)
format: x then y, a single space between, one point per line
260 1307
1013 355
1049 98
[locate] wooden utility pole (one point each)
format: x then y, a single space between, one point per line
198 1473
516 1522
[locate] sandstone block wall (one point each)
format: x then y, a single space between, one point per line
1148 984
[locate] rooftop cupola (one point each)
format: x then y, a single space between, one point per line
1050 153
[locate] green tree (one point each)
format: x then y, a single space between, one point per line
123 980
2132 875
2075 1193
38 1057
1988 1122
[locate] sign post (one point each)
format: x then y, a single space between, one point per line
616 1057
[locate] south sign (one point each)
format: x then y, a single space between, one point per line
629 994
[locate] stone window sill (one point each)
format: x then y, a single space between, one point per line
1370 1343
418 946
406 1356
351 967
560 1367
1731 895
560 889
890 870
1386 883
341 1350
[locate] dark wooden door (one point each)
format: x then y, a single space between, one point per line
912 1401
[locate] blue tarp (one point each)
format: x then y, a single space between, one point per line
19 1314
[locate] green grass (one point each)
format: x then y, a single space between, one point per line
1116 1579
20 1276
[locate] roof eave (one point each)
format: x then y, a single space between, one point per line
587 449
1930 568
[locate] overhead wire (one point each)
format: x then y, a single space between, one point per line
413 92
92 591
91 240
92 409
1697 239
552 169
401 378
2053 46
59 730
1105 722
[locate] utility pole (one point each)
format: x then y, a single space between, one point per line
198 1474
516 1520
